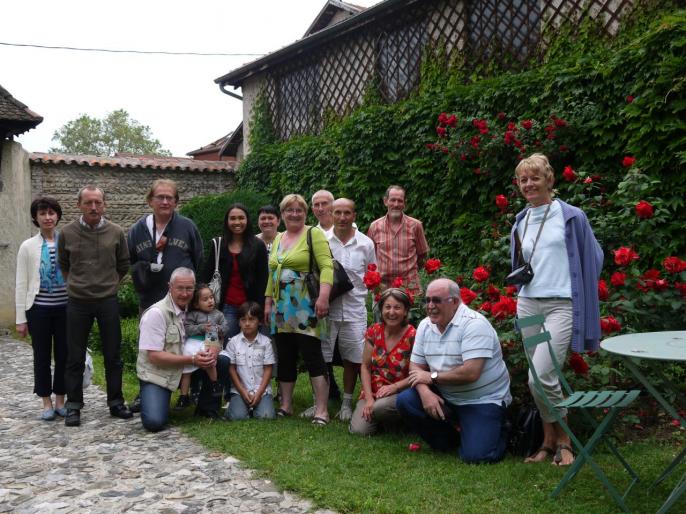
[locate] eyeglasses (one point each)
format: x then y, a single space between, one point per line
184 289
164 198
436 300
291 210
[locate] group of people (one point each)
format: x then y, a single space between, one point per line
231 322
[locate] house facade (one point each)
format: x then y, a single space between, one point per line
348 49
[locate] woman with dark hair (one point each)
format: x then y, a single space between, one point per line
242 265
41 305
385 364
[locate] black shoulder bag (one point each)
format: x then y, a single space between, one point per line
341 281
523 274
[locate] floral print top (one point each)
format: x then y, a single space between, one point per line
389 367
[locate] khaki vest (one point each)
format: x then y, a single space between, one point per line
167 377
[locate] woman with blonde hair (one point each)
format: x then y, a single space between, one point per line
295 318
556 239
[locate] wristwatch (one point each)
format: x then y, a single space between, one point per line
434 377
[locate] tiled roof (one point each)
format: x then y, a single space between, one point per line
144 162
213 146
15 117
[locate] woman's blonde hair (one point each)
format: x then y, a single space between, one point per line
536 163
289 199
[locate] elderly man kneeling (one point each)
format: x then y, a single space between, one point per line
160 357
458 379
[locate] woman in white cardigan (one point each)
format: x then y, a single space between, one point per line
41 304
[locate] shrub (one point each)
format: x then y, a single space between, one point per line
128 300
208 211
129 341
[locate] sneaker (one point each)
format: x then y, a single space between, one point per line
217 390
48 414
183 402
345 414
61 411
308 413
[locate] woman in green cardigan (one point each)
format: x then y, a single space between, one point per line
296 320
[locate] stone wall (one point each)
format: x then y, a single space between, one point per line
16 226
125 188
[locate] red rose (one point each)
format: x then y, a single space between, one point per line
568 174
681 287
609 324
618 278
629 99
480 274
501 202
578 364
371 267
397 282
486 307
432 265
509 137
588 180
563 149
527 124
377 297
506 307
474 141
510 290
660 285
410 296
644 210
443 118
501 116
624 256
451 121
467 295
371 279
559 122
603 292
493 292
628 162
440 131
649 280
673 265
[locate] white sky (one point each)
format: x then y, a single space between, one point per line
174 95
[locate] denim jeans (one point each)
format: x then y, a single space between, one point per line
48 329
154 406
231 316
483 431
238 409
80 316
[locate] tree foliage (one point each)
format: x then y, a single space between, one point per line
116 133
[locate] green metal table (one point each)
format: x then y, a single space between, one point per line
655 348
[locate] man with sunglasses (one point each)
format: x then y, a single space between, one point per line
458 378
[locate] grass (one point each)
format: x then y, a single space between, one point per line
347 473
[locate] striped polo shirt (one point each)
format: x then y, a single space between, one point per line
469 335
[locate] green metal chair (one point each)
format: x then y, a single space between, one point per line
610 401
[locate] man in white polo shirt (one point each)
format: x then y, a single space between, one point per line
458 378
348 313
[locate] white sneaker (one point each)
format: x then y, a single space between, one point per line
308 413
345 414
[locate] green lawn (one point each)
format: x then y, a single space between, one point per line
352 474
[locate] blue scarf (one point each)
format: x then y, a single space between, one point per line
50 274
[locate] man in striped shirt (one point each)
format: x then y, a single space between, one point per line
458 378
400 243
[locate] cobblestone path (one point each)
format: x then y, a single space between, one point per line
112 465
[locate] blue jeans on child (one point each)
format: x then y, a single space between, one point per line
238 409
483 433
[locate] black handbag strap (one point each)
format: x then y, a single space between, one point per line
526 226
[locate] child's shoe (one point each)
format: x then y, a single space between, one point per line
183 402
217 390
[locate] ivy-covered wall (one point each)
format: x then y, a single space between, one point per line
621 96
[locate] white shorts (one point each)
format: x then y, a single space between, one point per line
191 346
350 335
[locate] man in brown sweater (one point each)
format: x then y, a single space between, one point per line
93 257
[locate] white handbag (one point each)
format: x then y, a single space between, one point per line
215 284
88 370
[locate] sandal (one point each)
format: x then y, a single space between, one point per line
320 422
545 449
281 413
557 459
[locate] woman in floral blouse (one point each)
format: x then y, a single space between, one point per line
385 364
